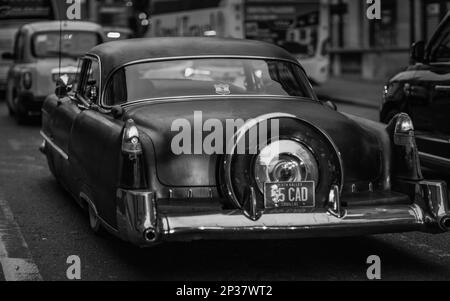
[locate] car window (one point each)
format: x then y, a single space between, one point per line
193 77
116 92
442 51
89 80
19 46
440 47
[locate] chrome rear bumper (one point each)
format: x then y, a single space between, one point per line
140 221
234 225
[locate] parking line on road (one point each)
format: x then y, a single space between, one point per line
15 257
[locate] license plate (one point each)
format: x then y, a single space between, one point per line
289 194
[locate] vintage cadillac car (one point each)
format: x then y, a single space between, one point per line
38 61
110 143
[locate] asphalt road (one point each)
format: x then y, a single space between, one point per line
53 227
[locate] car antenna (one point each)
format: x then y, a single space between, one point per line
60 50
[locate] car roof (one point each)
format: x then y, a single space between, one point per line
65 25
118 53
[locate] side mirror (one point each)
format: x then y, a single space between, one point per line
417 53
8 56
62 86
331 105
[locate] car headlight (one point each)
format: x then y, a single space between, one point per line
285 161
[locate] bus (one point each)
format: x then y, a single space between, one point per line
299 26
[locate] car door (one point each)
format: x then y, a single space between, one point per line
430 96
94 146
63 117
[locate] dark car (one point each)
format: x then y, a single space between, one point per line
291 167
423 92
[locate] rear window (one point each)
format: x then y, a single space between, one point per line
207 76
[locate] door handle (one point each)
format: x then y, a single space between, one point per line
441 88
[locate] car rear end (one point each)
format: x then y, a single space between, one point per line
246 205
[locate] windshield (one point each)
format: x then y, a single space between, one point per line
73 43
218 76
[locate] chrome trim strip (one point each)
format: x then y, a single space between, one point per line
136 213
105 223
96 57
442 88
418 136
56 147
434 157
435 194
211 56
157 100
334 201
439 64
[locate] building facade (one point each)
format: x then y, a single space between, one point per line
377 49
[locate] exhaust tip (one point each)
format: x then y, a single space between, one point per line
150 235
445 223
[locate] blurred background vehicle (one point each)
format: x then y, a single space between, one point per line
43 51
299 26
121 19
14 14
423 91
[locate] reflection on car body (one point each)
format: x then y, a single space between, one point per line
322 173
423 91
39 58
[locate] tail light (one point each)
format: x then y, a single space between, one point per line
404 129
133 167
27 80
406 162
131 143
